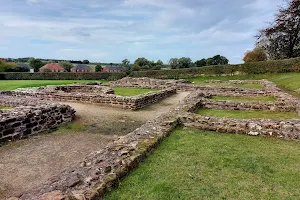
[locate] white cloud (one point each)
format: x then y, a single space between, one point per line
112 30
30 2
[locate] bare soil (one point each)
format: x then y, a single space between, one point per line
28 163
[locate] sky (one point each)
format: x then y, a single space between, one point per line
112 30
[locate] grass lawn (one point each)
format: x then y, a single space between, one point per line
228 98
249 85
14 84
289 81
241 114
131 91
4 108
193 164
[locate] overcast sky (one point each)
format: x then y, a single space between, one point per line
111 30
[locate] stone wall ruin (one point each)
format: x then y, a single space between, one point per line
30 116
101 95
103 169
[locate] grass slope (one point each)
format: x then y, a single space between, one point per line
14 84
131 91
289 81
193 164
241 114
230 98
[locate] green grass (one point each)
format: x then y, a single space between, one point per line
4 108
231 98
131 91
192 164
14 84
288 81
241 114
248 85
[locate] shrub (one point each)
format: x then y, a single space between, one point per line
256 55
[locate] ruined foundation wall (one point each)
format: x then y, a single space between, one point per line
102 99
234 105
101 170
285 129
21 122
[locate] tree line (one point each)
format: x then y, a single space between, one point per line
177 63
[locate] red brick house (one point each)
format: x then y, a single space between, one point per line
114 69
81 68
53 67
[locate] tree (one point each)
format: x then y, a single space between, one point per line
11 67
282 38
98 68
125 62
36 64
174 63
159 62
135 67
142 62
185 62
217 60
86 62
66 65
201 63
256 55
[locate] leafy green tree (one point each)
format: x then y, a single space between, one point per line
159 62
174 63
86 62
36 64
66 65
135 67
142 62
185 62
201 63
98 68
11 67
217 60
125 62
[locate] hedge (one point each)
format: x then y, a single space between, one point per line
60 76
274 66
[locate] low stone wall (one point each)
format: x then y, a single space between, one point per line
76 88
90 95
145 83
233 105
103 169
285 129
23 121
183 85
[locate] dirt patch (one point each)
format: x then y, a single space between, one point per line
28 163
